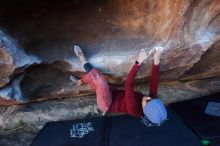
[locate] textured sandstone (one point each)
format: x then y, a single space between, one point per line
111 33
6 66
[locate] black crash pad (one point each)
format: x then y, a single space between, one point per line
116 131
192 111
215 142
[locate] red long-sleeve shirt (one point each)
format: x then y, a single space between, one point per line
129 101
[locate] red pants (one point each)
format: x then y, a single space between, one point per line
100 85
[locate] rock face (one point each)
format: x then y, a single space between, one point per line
6 65
37 59
208 66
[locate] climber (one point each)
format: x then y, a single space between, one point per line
128 101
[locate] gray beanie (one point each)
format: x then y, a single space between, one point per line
155 111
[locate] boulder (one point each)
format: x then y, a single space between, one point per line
39 36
